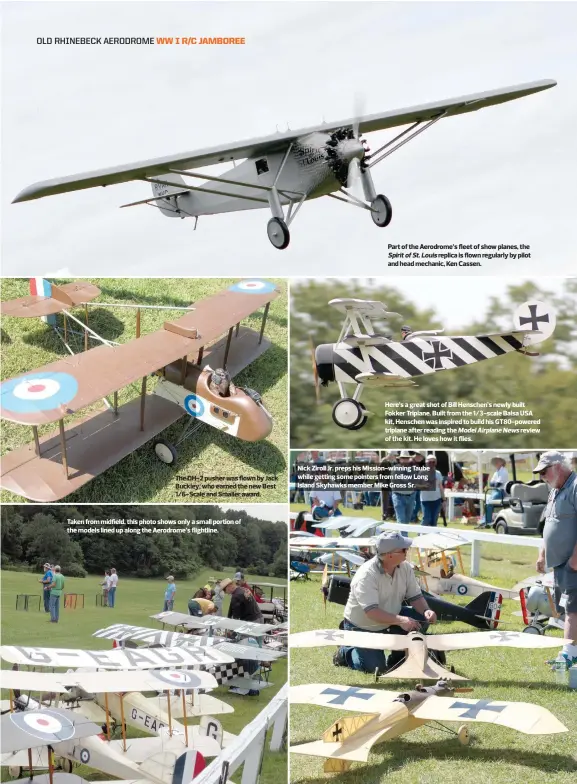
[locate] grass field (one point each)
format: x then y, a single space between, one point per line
28 344
497 755
136 601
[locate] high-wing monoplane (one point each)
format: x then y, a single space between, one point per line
386 715
194 367
364 355
284 170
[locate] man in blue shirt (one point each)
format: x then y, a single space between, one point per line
169 594
46 581
559 550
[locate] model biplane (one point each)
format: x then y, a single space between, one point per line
363 355
417 663
284 170
194 366
386 715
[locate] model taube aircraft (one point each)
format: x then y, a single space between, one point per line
195 365
284 170
363 355
386 715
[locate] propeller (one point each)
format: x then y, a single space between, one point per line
346 152
316 378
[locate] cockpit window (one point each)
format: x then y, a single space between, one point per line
261 166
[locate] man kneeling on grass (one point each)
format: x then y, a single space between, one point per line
375 604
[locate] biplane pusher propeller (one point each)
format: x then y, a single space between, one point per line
195 365
364 356
284 170
386 715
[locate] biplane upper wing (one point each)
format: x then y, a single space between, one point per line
351 698
117 659
213 621
521 716
67 385
324 542
353 558
53 299
42 727
439 542
266 144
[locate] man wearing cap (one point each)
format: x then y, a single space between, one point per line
375 604
405 331
559 550
46 580
404 500
243 606
432 500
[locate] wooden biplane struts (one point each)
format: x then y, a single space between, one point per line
364 356
195 365
284 170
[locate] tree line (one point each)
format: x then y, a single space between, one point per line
30 537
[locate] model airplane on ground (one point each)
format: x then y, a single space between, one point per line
538 607
195 369
418 663
283 170
363 355
386 715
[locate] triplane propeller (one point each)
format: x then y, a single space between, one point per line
193 365
363 355
284 170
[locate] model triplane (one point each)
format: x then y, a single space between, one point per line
363 355
195 366
284 170
386 715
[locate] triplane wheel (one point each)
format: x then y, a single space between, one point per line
165 452
278 233
534 628
463 735
381 211
348 413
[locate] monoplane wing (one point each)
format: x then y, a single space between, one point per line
67 385
49 299
45 727
325 542
521 716
546 580
351 698
117 659
279 141
493 639
323 637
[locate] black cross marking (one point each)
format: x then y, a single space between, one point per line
504 636
338 732
327 634
472 711
342 696
435 359
533 319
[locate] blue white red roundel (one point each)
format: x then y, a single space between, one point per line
45 724
253 286
462 589
194 405
38 392
178 678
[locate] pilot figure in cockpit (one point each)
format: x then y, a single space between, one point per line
405 332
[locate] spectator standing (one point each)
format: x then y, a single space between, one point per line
112 584
169 594
218 597
46 580
404 500
56 591
433 500
105 586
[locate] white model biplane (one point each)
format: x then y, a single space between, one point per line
386 715
363 355
284 170
417 663
194 366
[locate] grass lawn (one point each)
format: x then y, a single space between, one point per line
28 344
497 755
136 601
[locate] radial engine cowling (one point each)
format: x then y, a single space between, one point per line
324 360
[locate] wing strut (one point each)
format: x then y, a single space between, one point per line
373 157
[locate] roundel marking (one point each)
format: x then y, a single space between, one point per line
178 678
194 405
84 756
38 392
45 724
253 286
462 589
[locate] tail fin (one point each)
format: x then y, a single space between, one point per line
173 768
166 194
488 605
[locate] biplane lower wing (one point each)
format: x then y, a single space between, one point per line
93 445
49 299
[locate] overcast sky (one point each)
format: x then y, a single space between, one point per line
502 175
274 512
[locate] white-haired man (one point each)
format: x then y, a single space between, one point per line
375 604
559 550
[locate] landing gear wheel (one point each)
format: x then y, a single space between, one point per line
463 735
363 421
381 211
278 233
165 452
535 628
15 771
349 414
